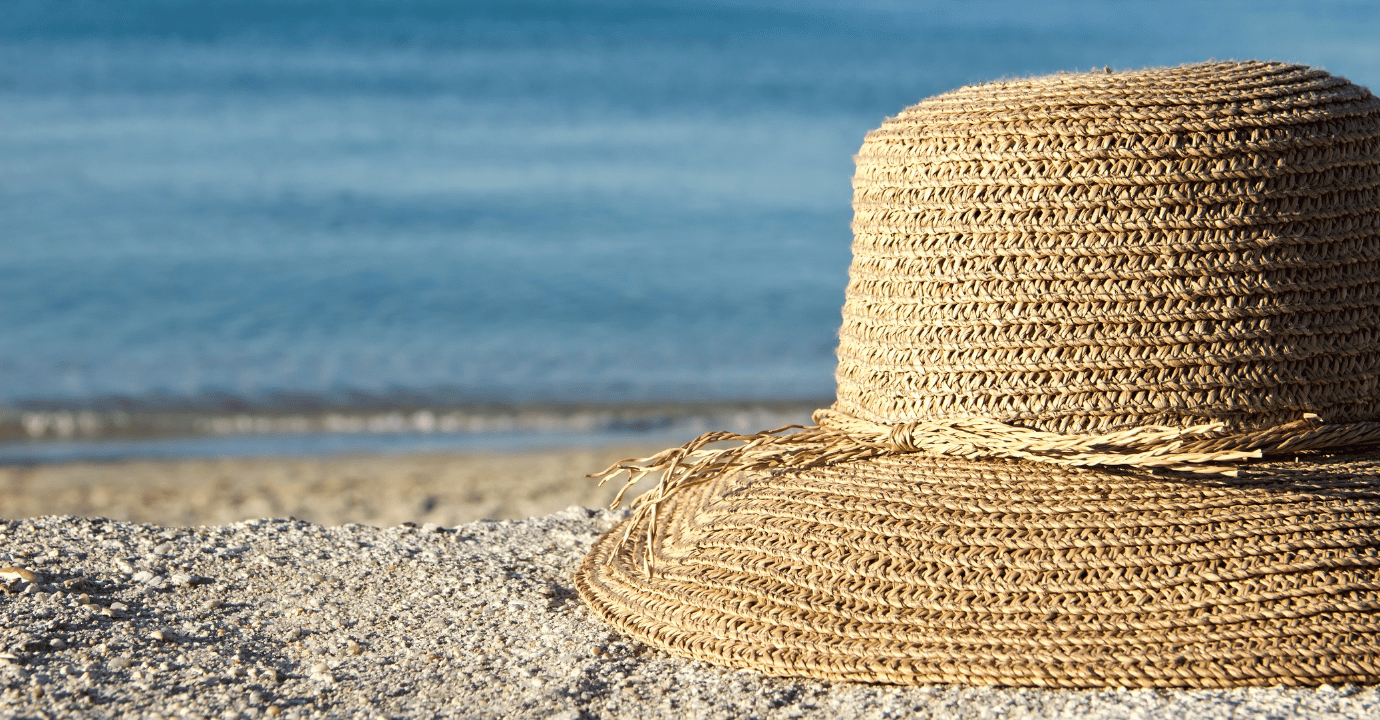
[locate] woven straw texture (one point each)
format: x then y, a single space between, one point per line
1065 290
1081 253
911 569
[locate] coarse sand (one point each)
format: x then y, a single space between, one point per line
290 619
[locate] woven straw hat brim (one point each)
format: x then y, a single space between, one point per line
912 569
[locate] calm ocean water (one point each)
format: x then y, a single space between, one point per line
412 220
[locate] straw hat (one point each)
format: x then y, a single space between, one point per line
1110 347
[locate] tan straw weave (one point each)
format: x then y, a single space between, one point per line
1110 353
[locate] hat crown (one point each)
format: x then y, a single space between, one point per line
1087 252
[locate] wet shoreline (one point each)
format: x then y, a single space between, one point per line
381 490
30 436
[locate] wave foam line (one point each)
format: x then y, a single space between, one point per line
43 425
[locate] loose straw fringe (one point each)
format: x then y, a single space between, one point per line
839 437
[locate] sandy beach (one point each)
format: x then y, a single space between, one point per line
445 489
279 618
389 596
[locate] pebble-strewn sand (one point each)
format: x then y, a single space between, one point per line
374 490
286 619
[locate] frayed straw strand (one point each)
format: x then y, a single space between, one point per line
838 437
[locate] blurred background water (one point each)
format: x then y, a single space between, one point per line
326 225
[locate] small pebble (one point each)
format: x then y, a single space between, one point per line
143 576
181 579
119 663
57 644
210 605
118 606
159 635
272 710
322 673
353 648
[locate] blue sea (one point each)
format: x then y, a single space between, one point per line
299 226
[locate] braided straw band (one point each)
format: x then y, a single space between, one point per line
839 437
